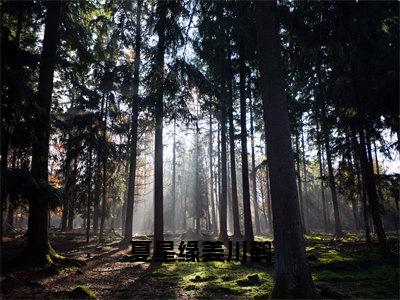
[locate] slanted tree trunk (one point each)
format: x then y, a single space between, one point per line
369 180
248 226
133 132
361 187
264 207
38 246
292 274
158 141
253 162
268 193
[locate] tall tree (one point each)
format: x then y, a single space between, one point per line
235 203
158 141
248 226
214 217
38 245
133 129
253 161
292 273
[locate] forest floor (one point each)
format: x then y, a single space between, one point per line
340 269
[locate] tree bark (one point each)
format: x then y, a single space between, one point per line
235 203
38 244
97 193
248 226
253 163
299 184
133 132
71 196
306 204
197 195
173 179
331 177
322 187
89 195
369 180
214 217
104 172
158 141
292 274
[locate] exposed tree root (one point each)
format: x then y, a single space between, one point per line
46 257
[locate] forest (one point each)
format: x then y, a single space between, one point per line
199 149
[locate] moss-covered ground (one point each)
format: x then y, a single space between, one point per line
344 268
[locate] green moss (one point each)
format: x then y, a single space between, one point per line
338 268
249 281
190 287
114 243
217 279
82 292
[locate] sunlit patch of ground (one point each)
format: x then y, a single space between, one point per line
341 266
219 279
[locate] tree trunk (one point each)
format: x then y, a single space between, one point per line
292 274
104 172
223 235
268 194
133 133
173 179
322 187
197 195
89 195
12 197
331 176
253 163
248 226
369 180
218 174
299 185
264 206
38 245
97 193
71 196
352 199
214 218
361 187
9 217
4 155
235 204
306 203
158 142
